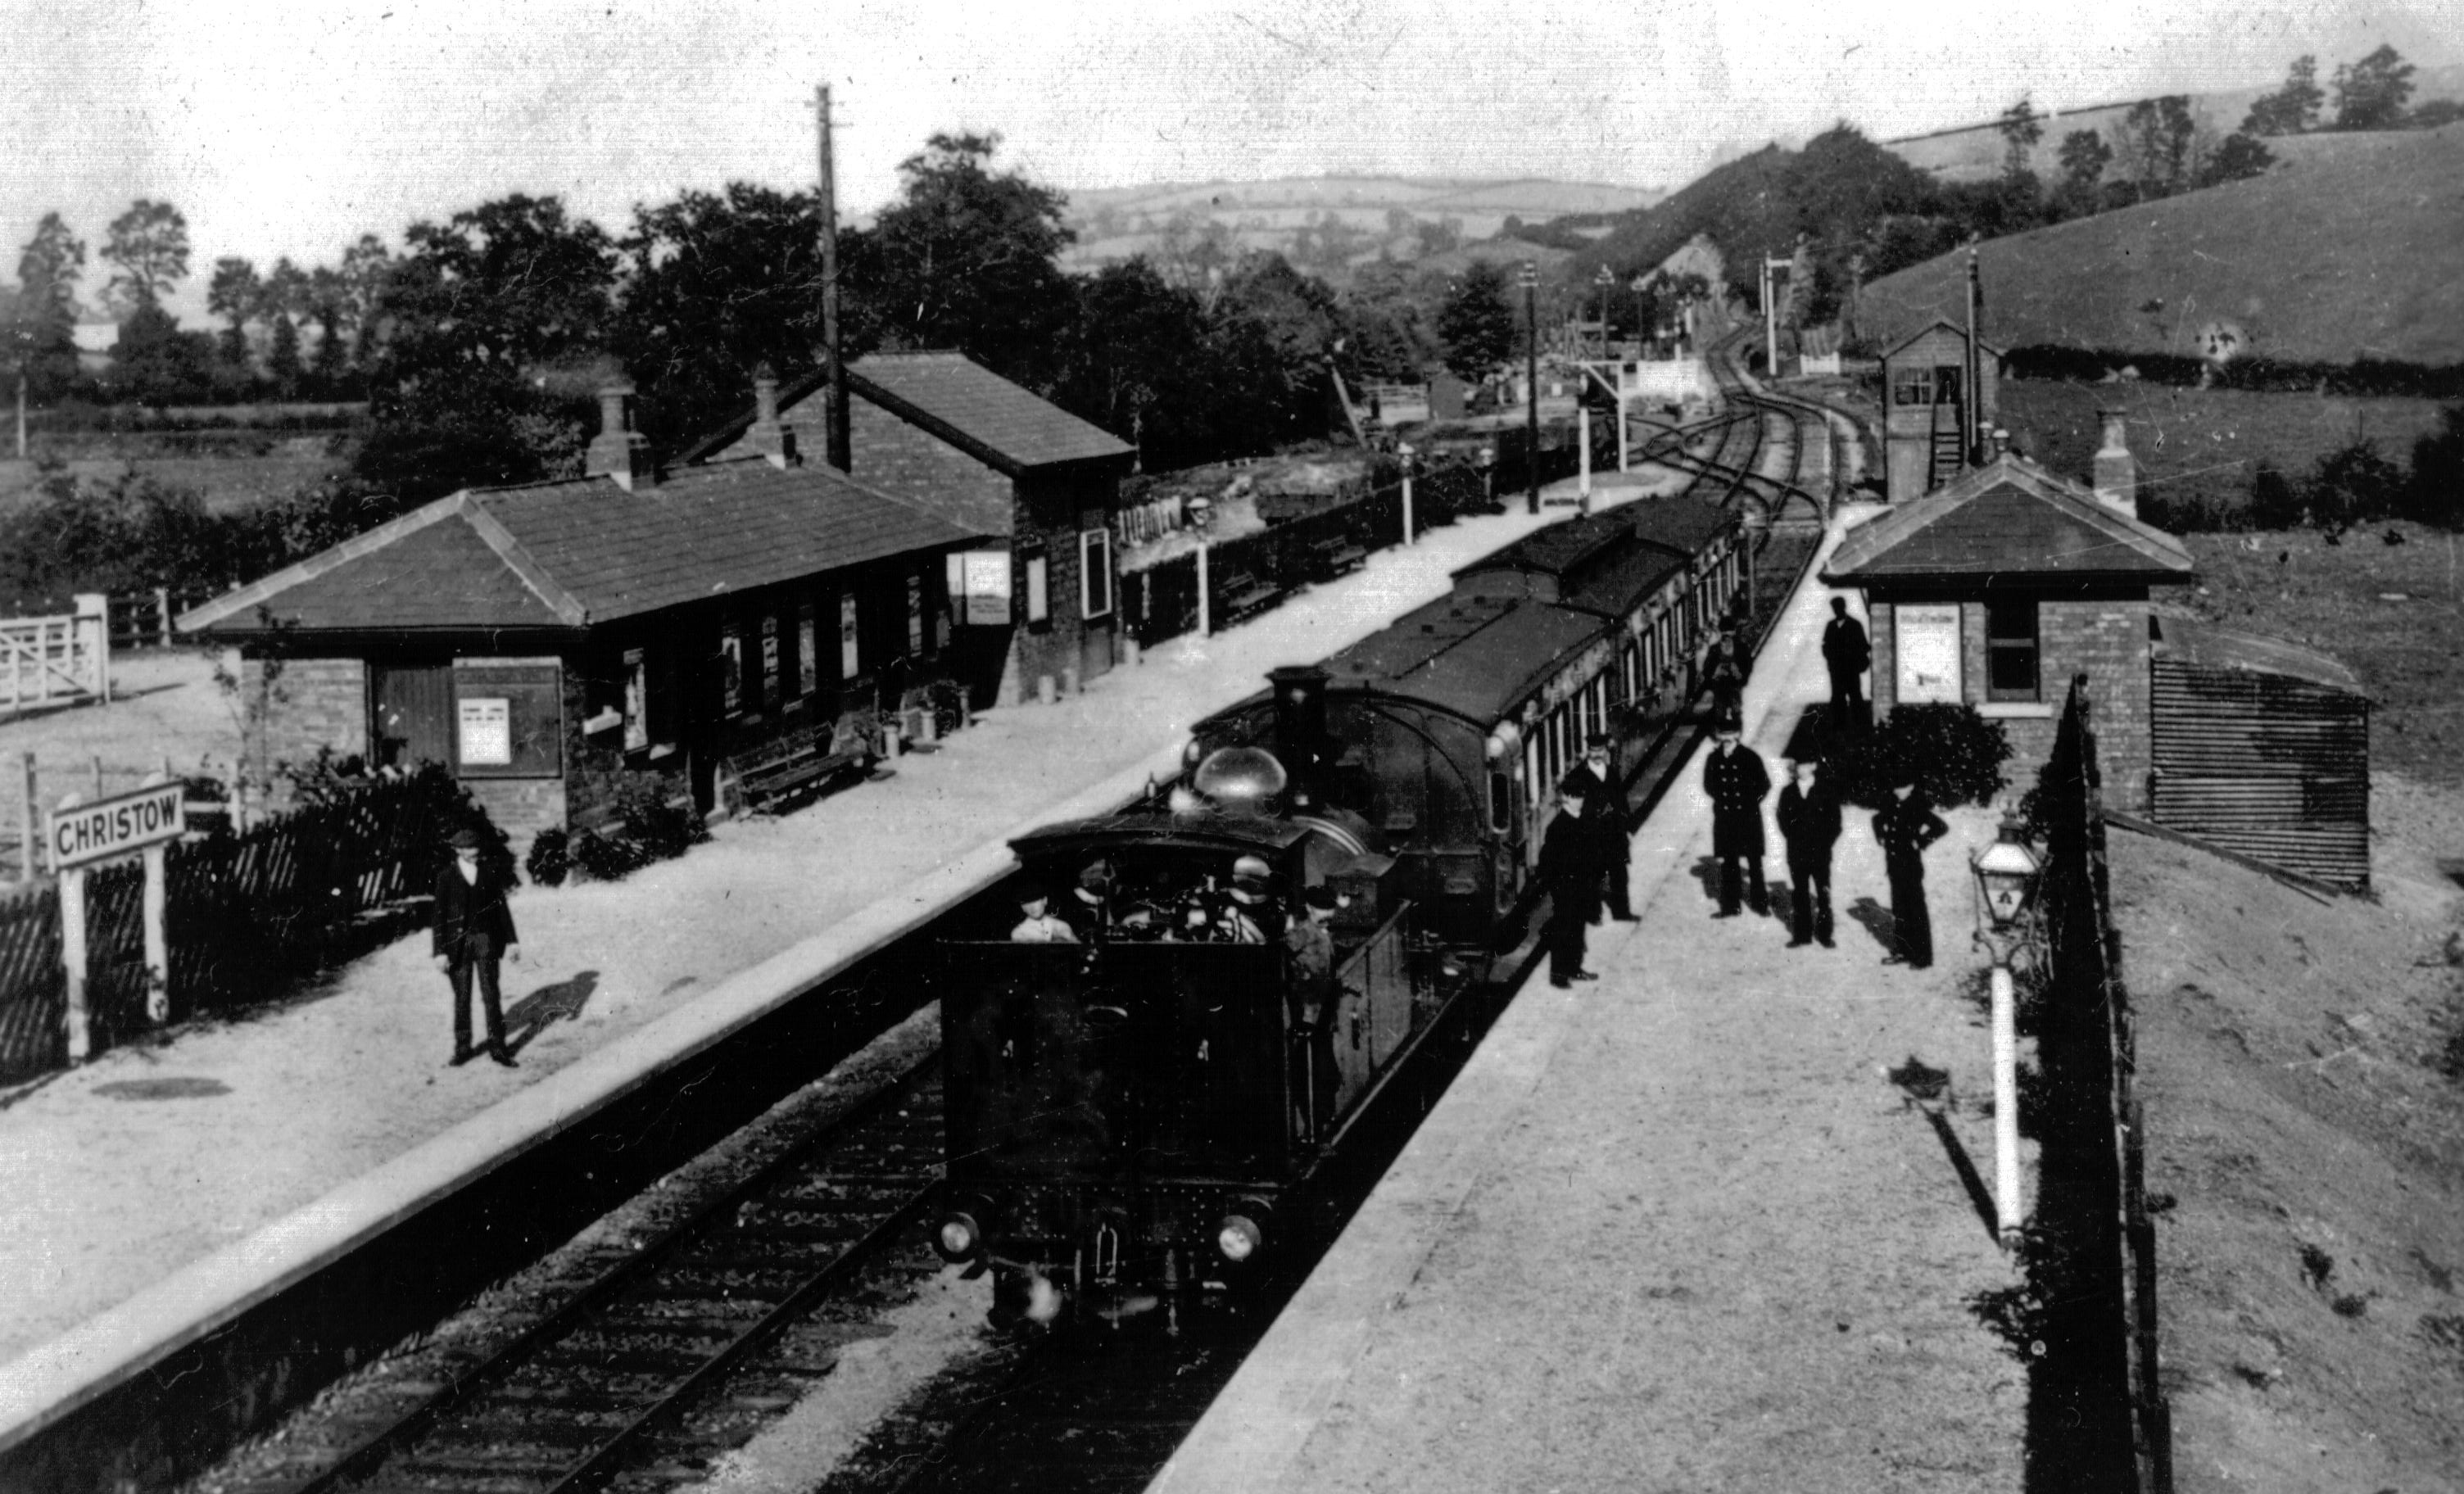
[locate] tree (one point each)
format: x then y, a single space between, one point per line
366 267
156 362
968 259
2085 156
326 301
2238 158
2290 110
2157 145
2370 94
286 295
717 284
235 292
2436 113
150 244
42 328
1476 324
2020 131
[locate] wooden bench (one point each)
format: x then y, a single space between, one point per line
1247 595
1331 557
800 763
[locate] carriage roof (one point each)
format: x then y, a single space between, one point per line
1475 657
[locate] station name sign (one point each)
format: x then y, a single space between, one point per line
117 826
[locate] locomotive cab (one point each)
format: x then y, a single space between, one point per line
1135 1104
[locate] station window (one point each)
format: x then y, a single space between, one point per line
1095 573
1912 386
2011 649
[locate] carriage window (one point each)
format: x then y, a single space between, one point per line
1501 800
2011 649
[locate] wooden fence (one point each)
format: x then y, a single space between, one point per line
143 619
249 914
2095 1385
55 660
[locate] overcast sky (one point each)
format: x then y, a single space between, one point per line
291 128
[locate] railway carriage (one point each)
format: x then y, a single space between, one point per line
1158 1105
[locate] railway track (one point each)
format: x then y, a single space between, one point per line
654 1359
602 1384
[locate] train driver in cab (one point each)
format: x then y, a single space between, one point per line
1250 914
1088 909
1037 923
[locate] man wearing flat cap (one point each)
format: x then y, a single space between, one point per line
473 929
1905 826
1037 922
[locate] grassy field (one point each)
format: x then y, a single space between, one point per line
2393 613
2205 443
228 482
2329 260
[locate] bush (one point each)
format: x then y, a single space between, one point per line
2274 504
649 829
1956 754
2437 492
2353 484
550 858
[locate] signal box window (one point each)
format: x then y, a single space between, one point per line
2011 649
1912 386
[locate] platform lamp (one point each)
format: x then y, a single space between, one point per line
1530 279
1404 455
2007 875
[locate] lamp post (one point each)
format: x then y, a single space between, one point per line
1604 280
1403 453
1486 460
2007 873
1530 277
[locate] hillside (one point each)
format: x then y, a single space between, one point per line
1407 218
2339 255
1974 152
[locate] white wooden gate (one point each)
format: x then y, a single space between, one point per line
62 659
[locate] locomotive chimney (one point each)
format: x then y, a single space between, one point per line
1300 728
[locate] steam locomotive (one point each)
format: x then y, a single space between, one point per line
1163 1102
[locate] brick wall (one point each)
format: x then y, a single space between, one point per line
520 807
297 705
2104 638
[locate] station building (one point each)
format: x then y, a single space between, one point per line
1036 594
2000 587
1928 410
555 643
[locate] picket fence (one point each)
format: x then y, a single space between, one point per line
249 914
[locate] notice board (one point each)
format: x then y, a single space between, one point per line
1926 646
509 719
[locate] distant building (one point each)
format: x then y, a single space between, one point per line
553 642
1929 411
1037 487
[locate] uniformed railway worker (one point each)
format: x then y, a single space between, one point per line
1606 817
1310 943
1809 823
1570 869
1905 826
1735 781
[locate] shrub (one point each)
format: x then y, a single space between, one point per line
2274 504
2437 493
549 858
1955 754
649 829
2354 483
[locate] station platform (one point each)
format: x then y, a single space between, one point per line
1677 1229
161 1190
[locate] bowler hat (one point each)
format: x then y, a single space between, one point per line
463 838
1321 896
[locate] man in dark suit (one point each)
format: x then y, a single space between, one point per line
1605 816
474 928
1809 822
1846 652
1735 781
1904 827
1570 870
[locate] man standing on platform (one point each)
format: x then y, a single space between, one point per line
1846 652
1735 780
1570 872
1904 827
1604 814
474 928
1809 823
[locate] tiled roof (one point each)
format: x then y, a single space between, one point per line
2008 519
957 399
1014 430
580 552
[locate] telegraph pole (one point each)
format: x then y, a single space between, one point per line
1975 393
836 444
1531 385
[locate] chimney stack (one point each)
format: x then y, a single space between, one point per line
619 450
2117 470
774 439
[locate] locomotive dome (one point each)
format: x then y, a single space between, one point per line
1242 780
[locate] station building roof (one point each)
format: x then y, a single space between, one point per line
584 551
2008 522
